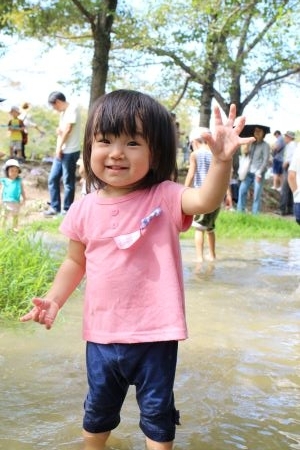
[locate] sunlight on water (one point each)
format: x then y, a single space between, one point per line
238 377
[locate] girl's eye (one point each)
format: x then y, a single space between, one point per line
132 143
101 140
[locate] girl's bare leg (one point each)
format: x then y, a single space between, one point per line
211 239
152 445
199 244
95 441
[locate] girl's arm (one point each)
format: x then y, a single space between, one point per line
65 282
223 143
192 170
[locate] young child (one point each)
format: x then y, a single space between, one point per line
124 237
200 160
16 128
13 193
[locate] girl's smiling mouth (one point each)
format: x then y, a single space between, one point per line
116 167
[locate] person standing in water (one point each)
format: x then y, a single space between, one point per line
124 238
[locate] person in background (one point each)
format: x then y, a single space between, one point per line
2 154
286 202
13 193
277 153
66 155
15 128
28 123
259 155
294 182
200 160
124 239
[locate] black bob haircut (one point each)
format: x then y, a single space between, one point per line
124 111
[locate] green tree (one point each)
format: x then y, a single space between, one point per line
223 49
232 51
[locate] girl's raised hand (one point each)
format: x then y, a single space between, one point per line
225 139
44 312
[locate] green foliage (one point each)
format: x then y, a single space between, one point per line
247 226
27 268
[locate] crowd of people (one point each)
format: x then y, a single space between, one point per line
278 160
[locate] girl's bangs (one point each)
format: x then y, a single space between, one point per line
116 121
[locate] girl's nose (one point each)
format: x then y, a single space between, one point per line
116 151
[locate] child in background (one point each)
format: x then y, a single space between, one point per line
124 237
200 160
13 193
16 128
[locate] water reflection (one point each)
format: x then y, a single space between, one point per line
238 378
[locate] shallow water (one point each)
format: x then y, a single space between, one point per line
238 377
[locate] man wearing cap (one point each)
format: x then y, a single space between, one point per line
286 202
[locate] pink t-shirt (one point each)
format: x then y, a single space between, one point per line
134 281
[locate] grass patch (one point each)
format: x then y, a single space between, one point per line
45 225
27 269
248 226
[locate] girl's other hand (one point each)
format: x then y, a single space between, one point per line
44 312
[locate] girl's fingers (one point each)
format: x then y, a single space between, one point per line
29 316
44 312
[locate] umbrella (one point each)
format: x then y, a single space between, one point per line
248 130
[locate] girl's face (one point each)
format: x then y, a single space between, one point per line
13 172
120 161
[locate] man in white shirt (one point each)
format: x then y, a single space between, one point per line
66 155
294 182
286 197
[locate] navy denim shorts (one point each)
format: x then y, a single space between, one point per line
150 367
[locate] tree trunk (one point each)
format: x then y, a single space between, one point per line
205 104
101 30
